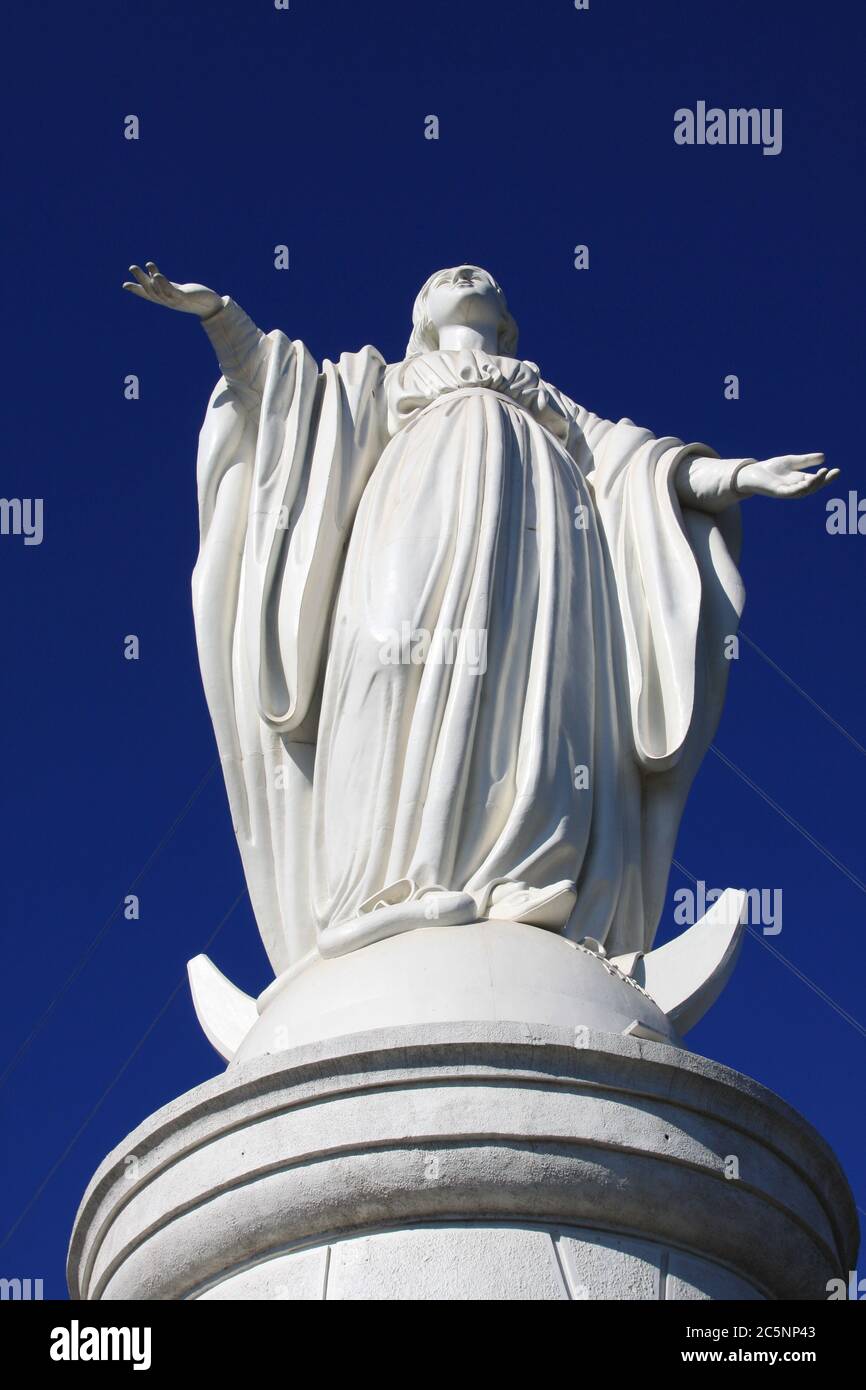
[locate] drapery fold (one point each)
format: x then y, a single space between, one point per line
453 491
284 454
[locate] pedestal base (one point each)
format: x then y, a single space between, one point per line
469 1161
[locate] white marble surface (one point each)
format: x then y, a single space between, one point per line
455 1088
573 581
491 971
412 1162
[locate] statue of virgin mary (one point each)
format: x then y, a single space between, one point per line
463 642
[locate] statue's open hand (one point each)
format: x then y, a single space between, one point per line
785 476
151 284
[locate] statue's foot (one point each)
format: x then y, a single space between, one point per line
538 907
399 908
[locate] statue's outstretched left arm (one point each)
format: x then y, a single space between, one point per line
711 484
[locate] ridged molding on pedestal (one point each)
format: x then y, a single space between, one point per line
483 1160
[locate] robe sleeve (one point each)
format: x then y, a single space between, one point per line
241 347
285 453
708 484
677 584
672 557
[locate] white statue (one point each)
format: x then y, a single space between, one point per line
463 642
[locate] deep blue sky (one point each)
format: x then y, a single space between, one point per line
261 127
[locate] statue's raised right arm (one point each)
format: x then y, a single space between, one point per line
236 340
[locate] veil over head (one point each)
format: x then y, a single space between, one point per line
425 337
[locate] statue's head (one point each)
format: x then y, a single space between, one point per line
465 294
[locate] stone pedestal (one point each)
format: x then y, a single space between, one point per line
476 1159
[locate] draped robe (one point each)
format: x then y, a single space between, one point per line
462 645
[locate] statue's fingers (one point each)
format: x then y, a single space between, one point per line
810 482
823 477
141 276
804 479
135 289
157 279
162 285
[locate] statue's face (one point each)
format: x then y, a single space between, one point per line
465 295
